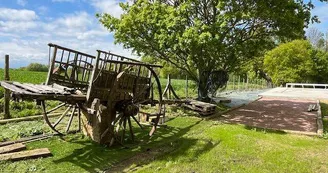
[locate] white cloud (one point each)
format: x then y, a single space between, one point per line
22 2
13 14
26 40
17 26
79 20
108 6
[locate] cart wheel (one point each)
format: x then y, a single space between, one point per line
122 123
130 109
62 125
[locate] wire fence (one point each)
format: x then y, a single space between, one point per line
234 84
238 83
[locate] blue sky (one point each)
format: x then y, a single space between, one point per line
27 26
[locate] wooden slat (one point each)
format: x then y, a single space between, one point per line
52 90
12 148
42 152
26 87
41 91
13 88
25 140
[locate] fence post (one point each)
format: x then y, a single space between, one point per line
233 82
247 83
7 92
238 82
243 84
186 86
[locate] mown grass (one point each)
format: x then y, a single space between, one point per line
188 144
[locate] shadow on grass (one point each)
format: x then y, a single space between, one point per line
94 157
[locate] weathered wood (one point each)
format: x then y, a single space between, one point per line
29 118
36 153
25 94
70 119
25 140
12 148
13 88
7 92
31 89
71 50
202 105
61 117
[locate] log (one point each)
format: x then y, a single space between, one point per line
29 118
12 148
30 154
26 140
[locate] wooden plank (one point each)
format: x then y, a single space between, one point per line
30 154
13 88
12 148
52 90
27 139
29 118
26 87
40 90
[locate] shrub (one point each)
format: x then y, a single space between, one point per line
37 67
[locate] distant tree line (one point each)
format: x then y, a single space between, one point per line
35 67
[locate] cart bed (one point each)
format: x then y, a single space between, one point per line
42 92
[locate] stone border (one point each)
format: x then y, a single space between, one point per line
319 120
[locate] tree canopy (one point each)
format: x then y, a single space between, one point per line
203 36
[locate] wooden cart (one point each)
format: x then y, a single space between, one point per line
102 94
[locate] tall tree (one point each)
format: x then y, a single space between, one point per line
204 36
315 37
290 62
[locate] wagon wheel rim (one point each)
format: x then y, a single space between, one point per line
71 110
160 102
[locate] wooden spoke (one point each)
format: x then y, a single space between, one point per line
119 125
130 128
79 118
70 119
134 118
124 128
57 107
118 118
61 117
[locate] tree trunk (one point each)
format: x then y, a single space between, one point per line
267 78
202 86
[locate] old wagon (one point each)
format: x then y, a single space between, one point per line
102 94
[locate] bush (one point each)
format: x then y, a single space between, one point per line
290 62
37 67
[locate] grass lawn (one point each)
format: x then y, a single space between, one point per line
188 144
